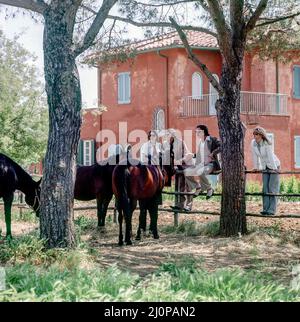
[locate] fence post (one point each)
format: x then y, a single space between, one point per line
176 215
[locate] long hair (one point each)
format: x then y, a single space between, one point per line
261 131
154 132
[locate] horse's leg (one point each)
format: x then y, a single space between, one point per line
153 210
120 219
142 219
8 200
101 220
129 207
102 205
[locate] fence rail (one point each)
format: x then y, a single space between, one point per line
21 205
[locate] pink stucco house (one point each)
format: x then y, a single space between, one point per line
160 88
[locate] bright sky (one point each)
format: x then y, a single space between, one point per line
32 40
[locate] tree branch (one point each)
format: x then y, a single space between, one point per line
154 24
95 27
222 27
34 5
271 21
163 4
204 6
257 13
195 59
161 24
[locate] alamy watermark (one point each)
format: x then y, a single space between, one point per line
106 139
2 279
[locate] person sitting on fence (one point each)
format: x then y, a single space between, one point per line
182 159
265 159
206 162
151 149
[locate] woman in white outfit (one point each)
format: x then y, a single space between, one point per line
151 149
265 159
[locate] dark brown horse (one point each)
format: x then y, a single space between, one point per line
12 178
133 181
95 182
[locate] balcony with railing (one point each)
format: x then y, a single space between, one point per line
251 103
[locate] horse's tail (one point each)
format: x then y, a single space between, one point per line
121 177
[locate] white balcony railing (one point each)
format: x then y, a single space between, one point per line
251 103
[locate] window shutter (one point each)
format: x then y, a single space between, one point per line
93 156
80 153
296 91
297 151
127 87
120 87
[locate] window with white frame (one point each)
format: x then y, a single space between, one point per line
124 90
297 151
270 136
88 150
197 85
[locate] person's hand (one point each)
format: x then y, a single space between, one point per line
189 157
211 157
177 162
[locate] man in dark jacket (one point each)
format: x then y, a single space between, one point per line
206 162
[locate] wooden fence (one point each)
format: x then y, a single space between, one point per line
19 201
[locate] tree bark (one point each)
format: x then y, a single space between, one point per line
64 101
233 206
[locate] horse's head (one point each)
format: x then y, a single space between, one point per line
33 197
167 164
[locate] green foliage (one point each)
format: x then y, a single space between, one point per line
26 216
36 274
291 185
27 283
253 187
171 282
210 229
192 228
288 185
28 248
272 231
85 223
23 116
188 228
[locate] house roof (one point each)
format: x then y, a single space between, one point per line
196 39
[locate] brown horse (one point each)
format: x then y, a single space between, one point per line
95 182
133 181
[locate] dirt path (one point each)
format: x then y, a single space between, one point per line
274 252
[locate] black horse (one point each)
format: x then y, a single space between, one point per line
12 178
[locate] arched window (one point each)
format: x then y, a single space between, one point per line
160 120
197 85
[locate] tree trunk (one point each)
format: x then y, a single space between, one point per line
233 208
64 101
